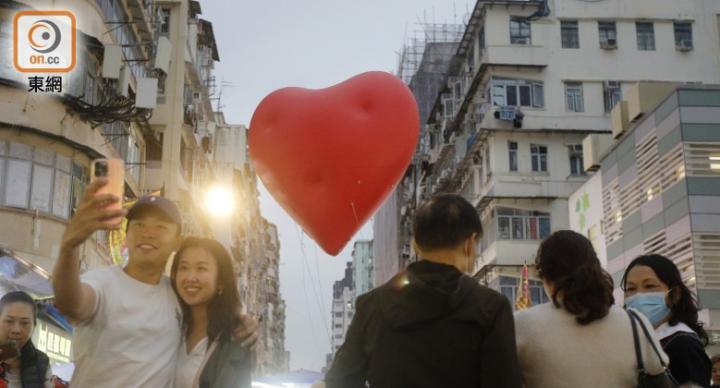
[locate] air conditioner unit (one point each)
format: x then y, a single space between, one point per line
608 44
522 41
684 45
112 61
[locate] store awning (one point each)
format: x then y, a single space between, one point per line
17 274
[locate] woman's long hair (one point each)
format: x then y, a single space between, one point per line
568 261
685 306
225 305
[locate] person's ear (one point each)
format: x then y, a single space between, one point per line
673 296
415 247
470 244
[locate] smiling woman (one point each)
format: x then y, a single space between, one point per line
203 277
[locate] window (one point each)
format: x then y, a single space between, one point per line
612 94
512 155
645 36
448 107
538 155
164 20
574 97
457 90
471 57
569 34
338 315
575 153
36 178
512 92
516 224
608 34
519 31
683 36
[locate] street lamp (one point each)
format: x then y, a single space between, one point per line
219 201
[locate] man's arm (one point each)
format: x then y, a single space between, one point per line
74 299
349 368
499 362
246 330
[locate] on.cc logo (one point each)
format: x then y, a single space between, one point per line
44 41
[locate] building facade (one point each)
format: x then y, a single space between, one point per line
363 266
528 82
660 188
423 66
142 91
254 244
343 309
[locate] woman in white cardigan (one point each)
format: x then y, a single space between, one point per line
580 339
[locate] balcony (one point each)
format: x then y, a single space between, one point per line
523 56
531 185
140 11
509 252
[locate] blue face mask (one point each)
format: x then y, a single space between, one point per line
651 304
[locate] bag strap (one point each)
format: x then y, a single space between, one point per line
649 337
636 341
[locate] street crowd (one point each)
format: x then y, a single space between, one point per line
433 326
429 326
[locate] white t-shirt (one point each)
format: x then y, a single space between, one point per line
133 338
188 365
14 380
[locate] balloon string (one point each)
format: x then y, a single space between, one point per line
354 212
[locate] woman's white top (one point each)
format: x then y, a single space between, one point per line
188 364
554 351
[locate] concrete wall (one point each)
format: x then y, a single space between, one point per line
585 209
592 65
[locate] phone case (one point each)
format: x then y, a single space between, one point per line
116 175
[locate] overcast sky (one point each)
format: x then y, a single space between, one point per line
265 45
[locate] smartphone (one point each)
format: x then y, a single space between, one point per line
8 350
114 171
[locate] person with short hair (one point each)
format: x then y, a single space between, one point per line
579 338
431 325
31 367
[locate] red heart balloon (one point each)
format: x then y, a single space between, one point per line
331 156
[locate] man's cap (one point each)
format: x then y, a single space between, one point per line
164 205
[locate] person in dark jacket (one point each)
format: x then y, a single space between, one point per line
431 325
31 367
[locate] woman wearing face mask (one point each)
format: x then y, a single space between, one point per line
580 339
31 368
653 286
204 279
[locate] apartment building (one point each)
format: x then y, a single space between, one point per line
528 82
